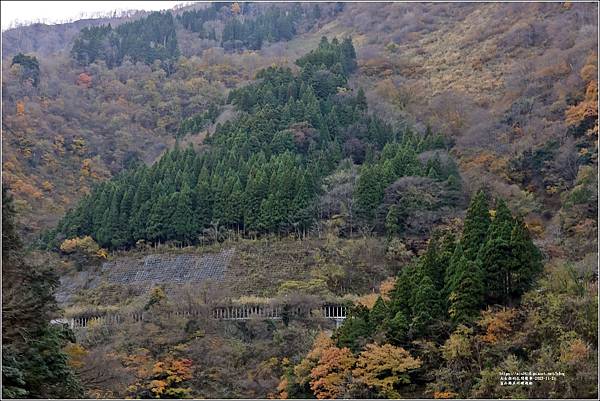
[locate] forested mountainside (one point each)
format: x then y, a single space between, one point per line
431 167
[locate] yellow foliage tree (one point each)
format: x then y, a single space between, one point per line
458 345
586 109
332 373
79 146
59 145
86 167
85 246
76 353
159 379
384 368
47 186
102 253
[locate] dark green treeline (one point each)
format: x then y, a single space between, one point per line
263 170
493 263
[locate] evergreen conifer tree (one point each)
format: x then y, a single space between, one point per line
496 258
452 269
183 224
429 263
361 100
398 328
356 329
466 294
369 191
402 294
34 364
476 226
527 259
348 56
426 307
392 225
379 314
203 201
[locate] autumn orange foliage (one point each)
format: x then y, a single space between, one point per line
444 394
368 300
282 388
303 369
20 108
162 379
331 373
386 287
588 108
575 352
498 325
84 80
21 187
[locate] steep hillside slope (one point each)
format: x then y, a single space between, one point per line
334 150
513 86
80 123
497 79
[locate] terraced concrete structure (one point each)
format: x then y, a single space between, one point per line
168 270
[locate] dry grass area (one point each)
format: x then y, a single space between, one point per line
260 270
499 79
319 266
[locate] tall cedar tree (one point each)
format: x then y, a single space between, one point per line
379 314
402 303
476 226
430 264
466 291
426 307
451 271
496 255
528 259
509 258
369 191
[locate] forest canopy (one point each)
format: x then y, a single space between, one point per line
264 170
146 40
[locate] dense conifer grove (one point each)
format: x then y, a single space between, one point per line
493 263
269 26
145 40
264 169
